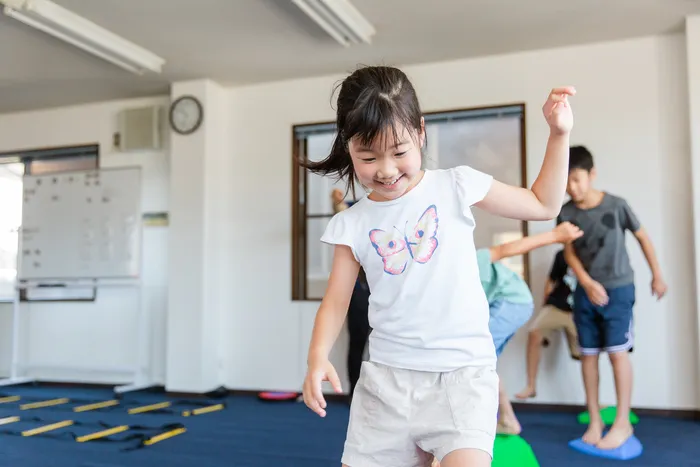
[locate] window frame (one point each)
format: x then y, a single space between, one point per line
300 216
26 157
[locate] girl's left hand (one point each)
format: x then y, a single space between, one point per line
557 110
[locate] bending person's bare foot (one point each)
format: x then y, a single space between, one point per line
508 426
594 433
616 437
526 393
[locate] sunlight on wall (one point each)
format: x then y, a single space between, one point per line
514 263
10 222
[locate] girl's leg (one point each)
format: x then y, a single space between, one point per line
467 458
382 418
456 418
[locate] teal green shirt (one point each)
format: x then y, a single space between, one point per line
500 282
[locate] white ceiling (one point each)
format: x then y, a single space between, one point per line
249 41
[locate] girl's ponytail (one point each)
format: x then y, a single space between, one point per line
338 164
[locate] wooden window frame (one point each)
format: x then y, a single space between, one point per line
300 184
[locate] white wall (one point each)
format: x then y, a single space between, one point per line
693 60
199 274
101 334
631 112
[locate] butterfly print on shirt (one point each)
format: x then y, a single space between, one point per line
398 248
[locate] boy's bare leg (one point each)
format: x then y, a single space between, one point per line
534 348
589 368
507 421
621 429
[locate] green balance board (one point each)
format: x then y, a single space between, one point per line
512 450
608 415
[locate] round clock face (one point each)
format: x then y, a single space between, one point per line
186 115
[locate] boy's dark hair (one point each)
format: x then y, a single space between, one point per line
580 158
371 100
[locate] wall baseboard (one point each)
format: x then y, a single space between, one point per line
68 384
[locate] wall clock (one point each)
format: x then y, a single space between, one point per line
186 115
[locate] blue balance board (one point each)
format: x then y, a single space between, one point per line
629 450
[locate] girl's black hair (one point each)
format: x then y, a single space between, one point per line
371 100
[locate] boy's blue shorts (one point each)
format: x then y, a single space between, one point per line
505 320
605 328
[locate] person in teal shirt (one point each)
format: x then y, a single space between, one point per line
510 301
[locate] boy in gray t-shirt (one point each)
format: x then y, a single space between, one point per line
605 296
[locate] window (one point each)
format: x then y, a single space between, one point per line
13 166
10 221
489 139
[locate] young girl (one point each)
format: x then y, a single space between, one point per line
430 387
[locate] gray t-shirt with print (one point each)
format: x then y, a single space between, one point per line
602 249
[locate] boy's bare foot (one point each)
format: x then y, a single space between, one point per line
435 463
508 426
616 437
594 432
526 393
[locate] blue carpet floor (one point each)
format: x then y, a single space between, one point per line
251 433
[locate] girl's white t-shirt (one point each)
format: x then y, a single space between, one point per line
427 308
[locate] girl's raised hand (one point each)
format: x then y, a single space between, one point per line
557 110
319 371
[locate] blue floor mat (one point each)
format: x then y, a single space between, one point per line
254 433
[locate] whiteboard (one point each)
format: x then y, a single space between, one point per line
81 225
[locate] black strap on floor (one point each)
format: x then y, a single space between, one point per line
137 440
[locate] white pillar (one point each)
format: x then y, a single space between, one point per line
692 42
197 263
